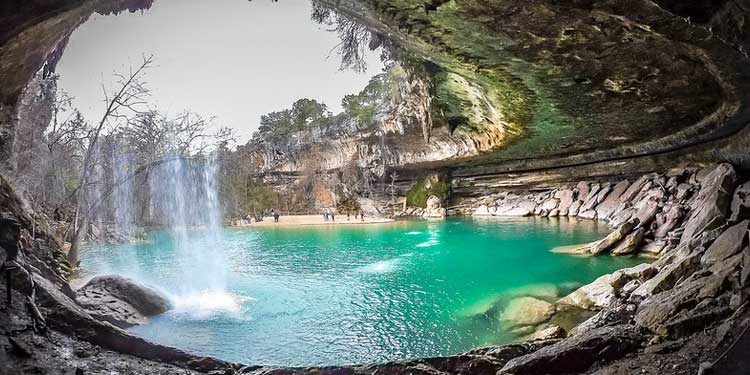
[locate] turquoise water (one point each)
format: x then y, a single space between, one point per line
351 294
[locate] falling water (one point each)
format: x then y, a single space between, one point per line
122 196
184 197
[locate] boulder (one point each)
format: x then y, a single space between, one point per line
683 191
523 207
605 209
630 243
598 294
654 248
548 333
481 211
121 301
668 276
566 197
612 238
526 311
434 209
577 353
645 211
574 208
711 204
668 219
547 206
730 242
583 189
634 189
601 194
740 206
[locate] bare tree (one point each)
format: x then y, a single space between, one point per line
126 102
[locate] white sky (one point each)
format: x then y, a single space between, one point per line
233 59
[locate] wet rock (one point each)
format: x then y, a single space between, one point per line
612 238
605 209
727 244
593 202
525 311
577 353
121 301
740 206
711 204
629 244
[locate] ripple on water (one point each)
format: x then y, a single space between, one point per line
383 266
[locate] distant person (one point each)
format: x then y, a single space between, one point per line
276 215
362 215
333 214
347 215
325 214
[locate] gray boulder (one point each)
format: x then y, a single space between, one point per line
608 206
729 243
712 202
566 197
612 238
630 243
668 220
740 206
120 300
577 353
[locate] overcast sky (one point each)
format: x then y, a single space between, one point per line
233 59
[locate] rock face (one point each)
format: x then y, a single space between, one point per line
712 202
121 301
434 209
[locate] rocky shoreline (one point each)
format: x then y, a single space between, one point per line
696 287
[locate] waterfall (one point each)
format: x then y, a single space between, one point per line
122 196
184 197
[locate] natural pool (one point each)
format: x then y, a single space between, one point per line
350 294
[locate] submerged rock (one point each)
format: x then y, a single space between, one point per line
525 311
120 300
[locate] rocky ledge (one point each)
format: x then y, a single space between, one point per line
684 311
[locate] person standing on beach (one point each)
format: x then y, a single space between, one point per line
276 215
325 214
333 214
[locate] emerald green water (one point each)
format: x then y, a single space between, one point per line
350 294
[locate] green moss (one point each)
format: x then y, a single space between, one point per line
419 193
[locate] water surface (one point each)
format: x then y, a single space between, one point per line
350 294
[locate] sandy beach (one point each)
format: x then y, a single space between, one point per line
300 220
